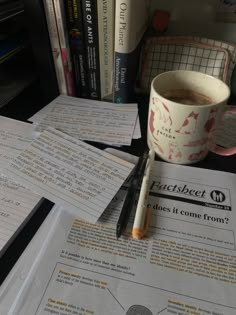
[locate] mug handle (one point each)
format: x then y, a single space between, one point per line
225 151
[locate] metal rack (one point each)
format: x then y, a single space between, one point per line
38 32
10 9
29 62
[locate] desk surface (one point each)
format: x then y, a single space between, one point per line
7 261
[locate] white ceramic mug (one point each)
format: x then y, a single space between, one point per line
185 109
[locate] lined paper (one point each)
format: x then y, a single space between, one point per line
16 204
14 137
90 120
70 173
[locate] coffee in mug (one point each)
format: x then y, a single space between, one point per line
187 97
185 109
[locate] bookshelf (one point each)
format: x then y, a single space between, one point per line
38 34
38 86
10 9
27 78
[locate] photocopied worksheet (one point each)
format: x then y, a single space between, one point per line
70 173
90 120
185 265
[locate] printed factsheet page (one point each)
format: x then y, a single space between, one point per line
90 120
70 173
185 265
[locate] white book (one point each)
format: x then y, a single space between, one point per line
106 28
131 22
55 45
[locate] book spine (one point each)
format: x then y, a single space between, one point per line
125 70
131 17
106 24
89 11
75 41
55 45
64 44
77 44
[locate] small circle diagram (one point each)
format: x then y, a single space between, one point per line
217 196
138 310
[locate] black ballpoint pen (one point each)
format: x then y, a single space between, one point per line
131 194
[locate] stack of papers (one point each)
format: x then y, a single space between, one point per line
56 166
186 265
74 264
114 124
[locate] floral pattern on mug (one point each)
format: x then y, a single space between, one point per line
197 156
174 151
162 110
188 126
210 123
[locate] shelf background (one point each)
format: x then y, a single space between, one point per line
10 9
197 18
38 33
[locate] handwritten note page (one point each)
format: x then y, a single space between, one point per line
90 120
226 134
14 137
16 204
70 173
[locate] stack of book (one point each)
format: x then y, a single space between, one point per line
96 46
